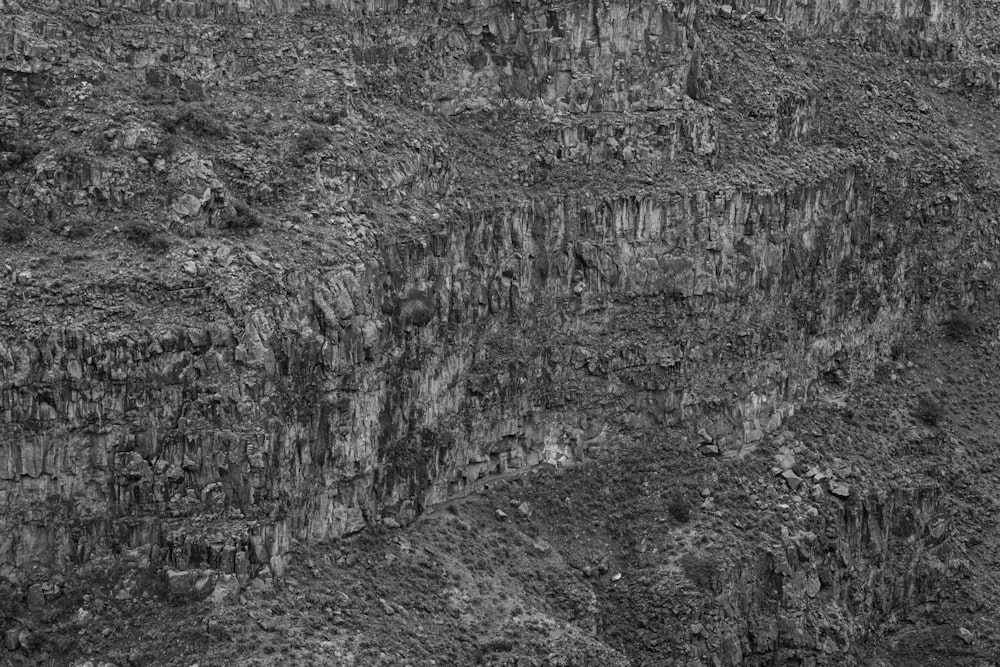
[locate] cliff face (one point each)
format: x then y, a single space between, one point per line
493 236
365 395
806 600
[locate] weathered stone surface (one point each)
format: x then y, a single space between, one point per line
792 480
10 639
743 624
840 489
383 386
36 598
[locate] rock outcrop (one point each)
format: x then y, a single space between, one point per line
627 270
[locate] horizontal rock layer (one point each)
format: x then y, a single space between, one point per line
381 389
506 329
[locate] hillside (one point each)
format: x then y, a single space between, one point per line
297 295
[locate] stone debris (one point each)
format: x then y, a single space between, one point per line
792 480
442 299
817 475
541 548
785 457
966 635
36 598
840 489
223 255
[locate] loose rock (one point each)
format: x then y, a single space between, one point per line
791 479
840 489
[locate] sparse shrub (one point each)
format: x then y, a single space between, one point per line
143 235
15 153
248 138
960 326
100 143
162 95
241 216
309 140
13 229
929 410
702 570
679 508
169 146
417 308
13 234
69 157
80 227
486 653
196 120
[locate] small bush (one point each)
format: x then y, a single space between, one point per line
169 146
929 410
703 570
70 157
248 138
241 216
15 153
13 228
144 235
960 326
309 140
197 121
13 234
100 143
80 227
679 508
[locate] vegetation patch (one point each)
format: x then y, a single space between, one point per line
13 228
143 235
703 570
961 325
241 216
679 508
195 120
929 410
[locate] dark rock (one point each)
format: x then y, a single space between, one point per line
36 598
792 480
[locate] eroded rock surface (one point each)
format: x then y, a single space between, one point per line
277 272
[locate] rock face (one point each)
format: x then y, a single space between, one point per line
487 338
794 603
383 391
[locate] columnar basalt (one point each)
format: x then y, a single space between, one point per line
375 391
430 318
795 601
